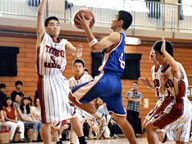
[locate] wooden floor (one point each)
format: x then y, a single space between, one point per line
142 140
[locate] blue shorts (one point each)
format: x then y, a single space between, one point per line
107 87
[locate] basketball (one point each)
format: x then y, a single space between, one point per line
87 14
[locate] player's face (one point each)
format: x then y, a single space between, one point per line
53 28
152 57
114 24
159 58
78 69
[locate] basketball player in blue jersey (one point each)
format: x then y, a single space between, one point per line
53 87
107 85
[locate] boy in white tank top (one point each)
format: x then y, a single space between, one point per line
79 77
53 87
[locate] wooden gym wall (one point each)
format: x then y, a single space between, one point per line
27 70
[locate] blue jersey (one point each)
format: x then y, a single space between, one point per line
114 61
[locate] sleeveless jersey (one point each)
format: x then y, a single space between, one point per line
51 56
156 77
75 82
176 87
114 61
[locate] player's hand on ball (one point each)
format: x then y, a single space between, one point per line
82 21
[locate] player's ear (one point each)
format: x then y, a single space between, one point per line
120 22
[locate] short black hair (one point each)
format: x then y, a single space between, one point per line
126 17
18 83
8 97
135 82
86 70
2 85
169 47
78 60
35 101
50 18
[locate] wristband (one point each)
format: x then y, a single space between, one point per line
93 42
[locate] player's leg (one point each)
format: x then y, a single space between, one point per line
77 127
152 136
55 134
125 127
86 107
46 133
73 136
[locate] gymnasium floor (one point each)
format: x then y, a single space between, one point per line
141 140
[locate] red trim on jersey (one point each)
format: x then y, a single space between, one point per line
157 68
79 77
164 68
37 61
41 98
182 88
176 111
56 41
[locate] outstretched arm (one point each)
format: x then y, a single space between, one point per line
40 21
106 42
76 51
171 61
147 83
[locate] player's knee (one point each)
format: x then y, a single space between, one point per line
118 118
149 127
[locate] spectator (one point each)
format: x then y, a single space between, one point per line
36 94
86 71
133 107
18 86
25 113
2 95
114 128
2 119
36 111
11 120
17 102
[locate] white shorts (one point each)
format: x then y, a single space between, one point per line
53 94
179 129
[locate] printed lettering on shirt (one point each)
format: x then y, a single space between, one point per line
122 62
55 52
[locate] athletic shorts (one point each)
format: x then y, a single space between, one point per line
175 119
107 86
53 94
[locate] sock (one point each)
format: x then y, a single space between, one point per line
82 140
165 139
98 114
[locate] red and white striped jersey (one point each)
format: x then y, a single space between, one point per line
51 56
75 82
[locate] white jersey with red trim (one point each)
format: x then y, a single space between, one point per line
156 77
51 56
176 87
53 87
75 82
